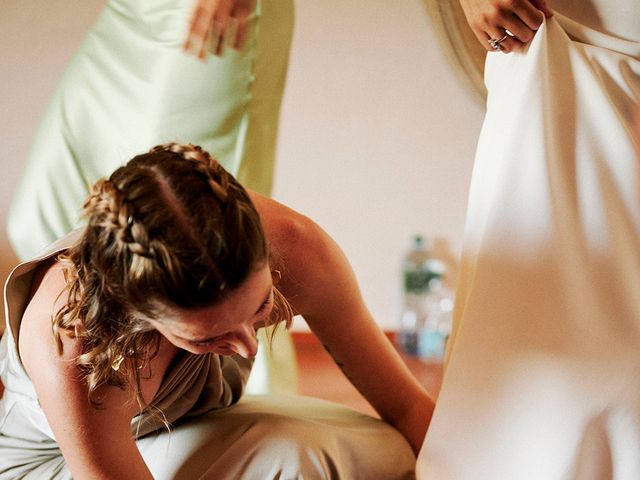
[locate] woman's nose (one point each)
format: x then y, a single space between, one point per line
245 343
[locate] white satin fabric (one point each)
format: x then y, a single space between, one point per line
543 373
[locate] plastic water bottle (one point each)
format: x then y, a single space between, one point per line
427 306
433 336
416 276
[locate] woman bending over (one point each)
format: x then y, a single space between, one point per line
147 317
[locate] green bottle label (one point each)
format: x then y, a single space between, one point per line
417 281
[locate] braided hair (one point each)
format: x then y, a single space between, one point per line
171 227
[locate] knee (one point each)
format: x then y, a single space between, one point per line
295 448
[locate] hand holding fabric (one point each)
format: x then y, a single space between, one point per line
511 22
215 23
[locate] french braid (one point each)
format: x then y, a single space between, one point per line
204 164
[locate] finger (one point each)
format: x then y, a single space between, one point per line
531 16
198 31
220 25
241 16
518 29
216 38
510 44
483 39
231 33
200 27
507 44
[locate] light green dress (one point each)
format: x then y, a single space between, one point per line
130 87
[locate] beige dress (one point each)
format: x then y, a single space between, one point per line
214 435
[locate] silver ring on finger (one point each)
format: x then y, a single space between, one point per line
495 42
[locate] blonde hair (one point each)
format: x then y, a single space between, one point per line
171 227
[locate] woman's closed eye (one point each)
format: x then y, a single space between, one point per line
207 342
264 306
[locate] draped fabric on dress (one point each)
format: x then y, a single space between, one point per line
543 372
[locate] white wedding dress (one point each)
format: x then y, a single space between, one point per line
543 373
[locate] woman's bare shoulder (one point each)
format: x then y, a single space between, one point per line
294 239
46 297
307 257
279 221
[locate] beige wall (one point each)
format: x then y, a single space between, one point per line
37 38
377 133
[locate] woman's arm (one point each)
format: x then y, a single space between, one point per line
96 443
321 286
